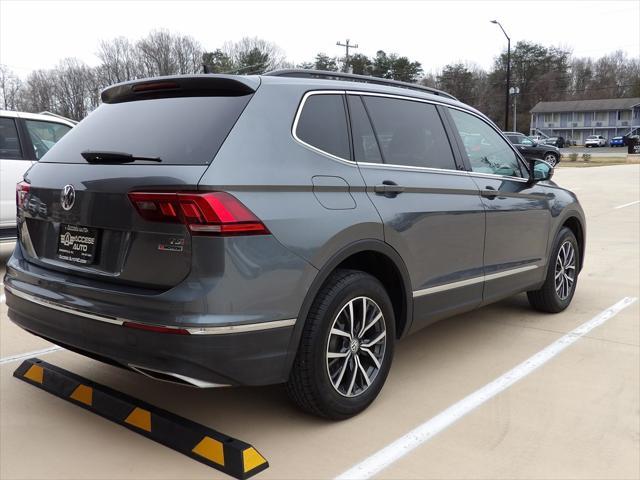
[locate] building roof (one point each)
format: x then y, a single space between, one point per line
586 105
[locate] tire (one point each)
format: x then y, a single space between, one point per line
555 296
313 378
551 158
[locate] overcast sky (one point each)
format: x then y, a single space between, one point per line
38 34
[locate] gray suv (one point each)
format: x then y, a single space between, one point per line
286 228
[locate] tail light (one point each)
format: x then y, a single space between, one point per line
22 190
211 213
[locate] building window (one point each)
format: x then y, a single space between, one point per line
600 116
624 115
579 117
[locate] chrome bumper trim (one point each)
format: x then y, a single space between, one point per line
204 330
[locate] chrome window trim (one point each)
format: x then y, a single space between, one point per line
472 281
496 176
393 166
353 163
204 330
294 127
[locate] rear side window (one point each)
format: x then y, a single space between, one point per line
410 133
365 145
180 131
323 124
45 135
9 144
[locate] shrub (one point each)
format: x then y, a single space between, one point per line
573 157
586 157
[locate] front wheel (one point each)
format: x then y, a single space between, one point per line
562 275
346 348
551 159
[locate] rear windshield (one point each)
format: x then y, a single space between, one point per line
180 131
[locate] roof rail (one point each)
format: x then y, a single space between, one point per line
351 77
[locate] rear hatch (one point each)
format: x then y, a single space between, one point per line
76 212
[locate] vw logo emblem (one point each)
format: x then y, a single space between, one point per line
67 197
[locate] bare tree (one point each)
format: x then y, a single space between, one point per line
162 53
119 61
253 55
10 86
187 53
75 88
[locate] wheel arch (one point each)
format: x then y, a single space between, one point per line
376 258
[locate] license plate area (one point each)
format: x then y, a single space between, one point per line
77 244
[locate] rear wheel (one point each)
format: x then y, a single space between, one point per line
562 276
346 348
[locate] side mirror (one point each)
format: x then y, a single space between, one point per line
539 170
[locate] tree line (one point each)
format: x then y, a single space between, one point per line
72 88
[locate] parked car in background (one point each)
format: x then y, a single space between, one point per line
24 139
249 230
595 141
555 141
530 148
617 142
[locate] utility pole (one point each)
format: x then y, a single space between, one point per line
506 104
347 45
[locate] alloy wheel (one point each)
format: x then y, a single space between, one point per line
551 159
565 270
356 346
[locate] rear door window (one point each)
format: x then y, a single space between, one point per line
323 124
180 131
9 143
409 133
45 135
365 145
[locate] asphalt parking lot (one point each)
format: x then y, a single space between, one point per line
577 416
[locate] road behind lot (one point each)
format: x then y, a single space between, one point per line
577 416
595 150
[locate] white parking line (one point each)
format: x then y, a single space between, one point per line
416 437
23 356
626 205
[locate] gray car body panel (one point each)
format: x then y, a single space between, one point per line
319 210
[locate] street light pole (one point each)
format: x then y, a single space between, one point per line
515 91
506 105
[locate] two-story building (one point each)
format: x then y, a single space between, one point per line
577 119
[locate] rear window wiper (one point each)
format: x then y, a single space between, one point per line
95 156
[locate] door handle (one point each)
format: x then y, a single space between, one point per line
489 192
388 189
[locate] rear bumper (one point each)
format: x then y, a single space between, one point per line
254 357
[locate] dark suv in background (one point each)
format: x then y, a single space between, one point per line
286 228
529 148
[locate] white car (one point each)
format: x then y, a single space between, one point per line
24 139
595 141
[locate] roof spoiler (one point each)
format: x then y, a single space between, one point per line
181 86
